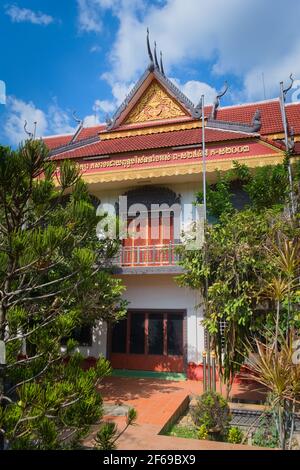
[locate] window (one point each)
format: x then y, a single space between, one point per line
119 337
175 335
153 334
137 333
83 334
156 334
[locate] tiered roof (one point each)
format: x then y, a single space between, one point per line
156 114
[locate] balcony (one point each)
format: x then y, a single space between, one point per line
149 259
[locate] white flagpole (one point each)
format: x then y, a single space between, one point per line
208 382
204 159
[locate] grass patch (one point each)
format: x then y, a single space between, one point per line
140 374
182 431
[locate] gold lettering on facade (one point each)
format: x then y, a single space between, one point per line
154 105
168 157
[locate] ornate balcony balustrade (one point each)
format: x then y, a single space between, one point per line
152 255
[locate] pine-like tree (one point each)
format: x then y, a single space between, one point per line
54 276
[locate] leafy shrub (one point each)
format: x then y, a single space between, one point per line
266 435
108 434
203 433
213 412
235 435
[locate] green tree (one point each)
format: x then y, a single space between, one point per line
234 260
266 186
249 257
54 275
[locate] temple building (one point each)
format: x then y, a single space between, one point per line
151 151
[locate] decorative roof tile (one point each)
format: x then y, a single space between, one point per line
148 142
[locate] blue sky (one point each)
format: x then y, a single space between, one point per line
85 55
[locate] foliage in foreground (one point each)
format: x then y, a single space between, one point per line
276 366
54 276
248 270
212 415
108 434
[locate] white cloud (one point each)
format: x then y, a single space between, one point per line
101 109
194 89
91 120
95 49
103 106
245 39
18 113
89 18
59 120
52 121
24 15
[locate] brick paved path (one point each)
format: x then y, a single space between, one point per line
156 403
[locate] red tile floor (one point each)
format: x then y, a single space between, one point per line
156 402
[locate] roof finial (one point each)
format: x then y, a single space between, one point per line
30 134
108 120
151 65
217 101
292 139
79 121
155 56
285 92
162 65
256 121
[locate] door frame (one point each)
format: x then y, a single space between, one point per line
138 357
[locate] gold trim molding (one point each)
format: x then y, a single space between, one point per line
178 170
151 130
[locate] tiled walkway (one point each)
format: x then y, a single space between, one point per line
156 402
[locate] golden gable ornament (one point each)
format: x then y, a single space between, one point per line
155 105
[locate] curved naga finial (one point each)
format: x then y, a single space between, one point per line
151 65
108 120
286 90
292 139
256 121
217 101
30 134
155 56
79 121
162 65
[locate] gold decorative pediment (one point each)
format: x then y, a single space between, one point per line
155 104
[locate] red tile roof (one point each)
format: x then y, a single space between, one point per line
88 132
297 148
153 141
271 124
270 115
293 116
57 141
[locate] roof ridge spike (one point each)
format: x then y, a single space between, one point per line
161 64
217 101
156 64
151 64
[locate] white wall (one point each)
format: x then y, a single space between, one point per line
159 291
162 292
98 347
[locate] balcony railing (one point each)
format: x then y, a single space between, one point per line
156 255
